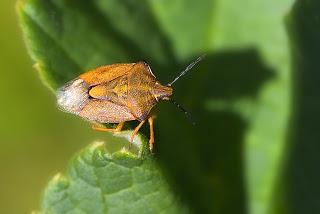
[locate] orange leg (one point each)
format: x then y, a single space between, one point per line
151 141
135 131
117 129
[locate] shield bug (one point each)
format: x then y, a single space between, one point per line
115 94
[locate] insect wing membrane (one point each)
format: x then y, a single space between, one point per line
104 111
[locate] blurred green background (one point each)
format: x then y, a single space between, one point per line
36 138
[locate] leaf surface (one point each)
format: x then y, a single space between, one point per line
99 182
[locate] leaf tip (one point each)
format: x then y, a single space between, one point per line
97 144
57 177
139 142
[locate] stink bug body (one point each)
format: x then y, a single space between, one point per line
115 94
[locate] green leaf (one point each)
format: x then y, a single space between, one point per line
300 182
239 95
246 89
262 26
99 182
66 38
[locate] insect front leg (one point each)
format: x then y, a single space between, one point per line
135 131
151 141
99 128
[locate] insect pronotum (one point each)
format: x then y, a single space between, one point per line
117 93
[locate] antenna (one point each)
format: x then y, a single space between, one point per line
188 68
184 111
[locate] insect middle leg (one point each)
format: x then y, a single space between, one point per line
117 129
135 131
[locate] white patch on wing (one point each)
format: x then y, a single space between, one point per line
73 96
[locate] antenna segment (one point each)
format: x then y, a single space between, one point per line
188 68
184 111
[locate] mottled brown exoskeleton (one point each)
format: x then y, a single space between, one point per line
115 94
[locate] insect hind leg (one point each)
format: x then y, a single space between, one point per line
103 129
